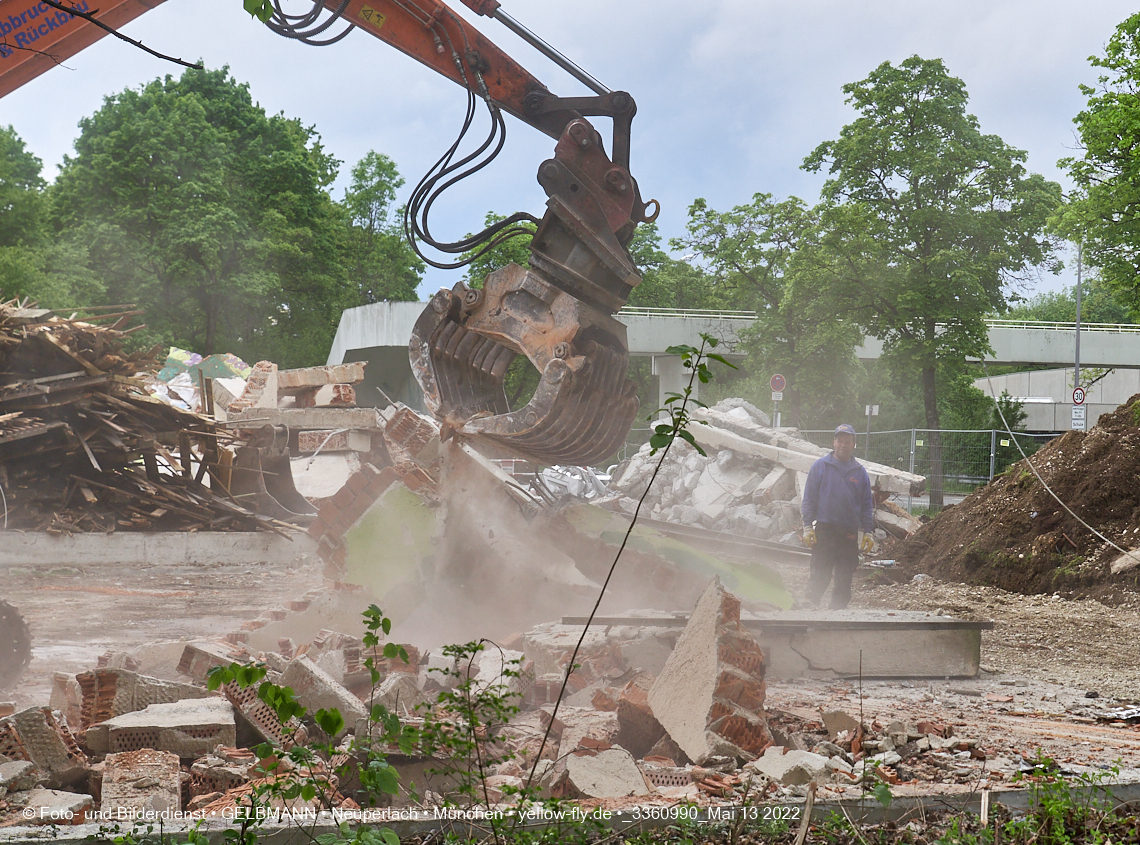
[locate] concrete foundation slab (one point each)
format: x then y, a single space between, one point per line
827 643
33 549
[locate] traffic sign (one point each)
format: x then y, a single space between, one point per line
777 395
1078 396
778 383
1078 421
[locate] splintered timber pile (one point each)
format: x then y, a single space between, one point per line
84 448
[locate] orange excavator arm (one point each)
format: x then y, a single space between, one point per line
558 310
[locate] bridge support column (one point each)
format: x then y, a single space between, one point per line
673 378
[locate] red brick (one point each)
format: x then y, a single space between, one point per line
357 482
318 527
343 497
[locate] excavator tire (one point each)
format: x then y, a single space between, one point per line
15 645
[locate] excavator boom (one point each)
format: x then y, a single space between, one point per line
557 311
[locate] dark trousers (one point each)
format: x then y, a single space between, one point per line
836 553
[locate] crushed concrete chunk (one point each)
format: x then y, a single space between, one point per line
710 695
188 728
607 774
640 729
791 769
317 690
139 782
45 741
53 807
18 776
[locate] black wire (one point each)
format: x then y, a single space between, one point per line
446 172
306 26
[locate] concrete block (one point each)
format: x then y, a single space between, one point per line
588 729
188 728
305 377
52 807
112 692
45 741
792 769
710 695
140 782
218 773
66 698
316 689
778 485
199 658
400 693
607 774
18 776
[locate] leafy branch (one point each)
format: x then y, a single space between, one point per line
664 435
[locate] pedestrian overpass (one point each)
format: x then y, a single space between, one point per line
379 333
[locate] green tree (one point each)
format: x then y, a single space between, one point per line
666 282
1105 213
765 257
193 202
380 263
1099 304
22 207
938 216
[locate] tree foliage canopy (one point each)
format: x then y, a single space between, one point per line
934 216
1105 215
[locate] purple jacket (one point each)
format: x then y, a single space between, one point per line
839 494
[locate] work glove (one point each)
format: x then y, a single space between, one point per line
809 537
866 542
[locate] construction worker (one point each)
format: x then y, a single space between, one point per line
838 512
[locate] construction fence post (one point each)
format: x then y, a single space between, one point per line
913 435
993 451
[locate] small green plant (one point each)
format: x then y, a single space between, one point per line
677 404
304 771
464 724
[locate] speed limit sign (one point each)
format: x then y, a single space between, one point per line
1078 396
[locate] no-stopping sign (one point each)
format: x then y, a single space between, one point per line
778 383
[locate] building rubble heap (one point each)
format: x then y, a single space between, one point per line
649 714
750 482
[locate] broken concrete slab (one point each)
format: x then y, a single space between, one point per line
307 419
306 377
710 695
112 692
53 807
792 769
218 773
612 773
141 782
18 776
260 391
588 729
190 729
317 690
37 735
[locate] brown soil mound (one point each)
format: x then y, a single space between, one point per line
1012 534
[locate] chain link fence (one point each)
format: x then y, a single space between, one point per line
969 458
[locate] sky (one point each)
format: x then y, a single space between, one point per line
731 94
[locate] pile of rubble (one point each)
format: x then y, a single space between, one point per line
84 447
750 482
677 715
1013 534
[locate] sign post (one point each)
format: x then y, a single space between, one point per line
1079 420
872 411
777 383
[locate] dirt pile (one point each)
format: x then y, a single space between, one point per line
1012 534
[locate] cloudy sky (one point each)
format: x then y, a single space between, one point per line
732 94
